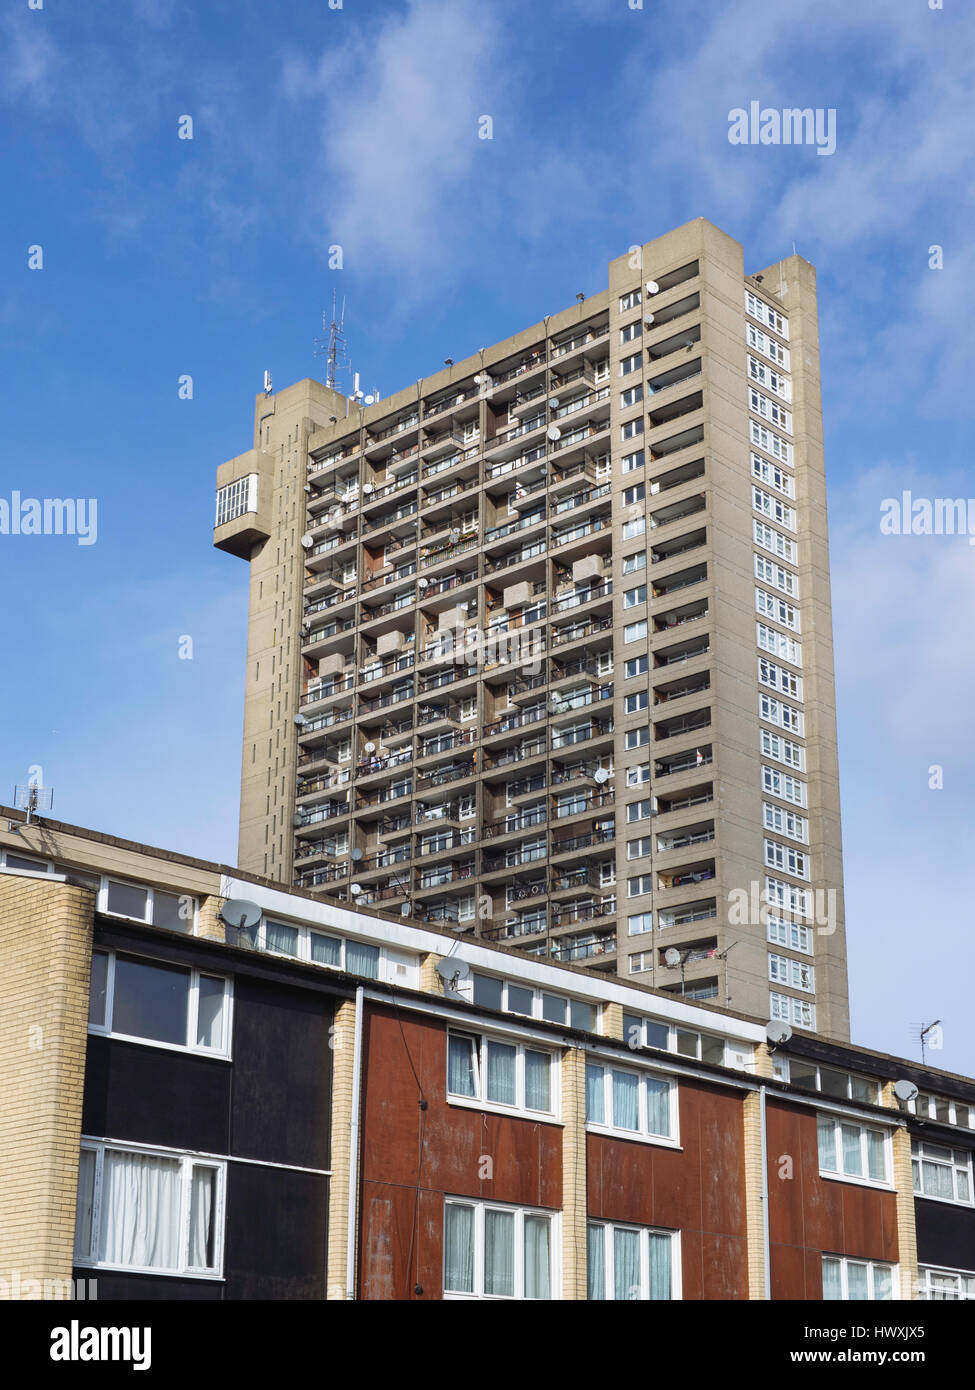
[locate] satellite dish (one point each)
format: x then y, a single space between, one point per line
307 541
238 912
404 910
905 1090
455 536
368 487
553 403
672 957
777 1033
370 747
451 971
355 854
554 432
369 400
423 582
355 889
652 287
300 720
648 321
308 487
601 775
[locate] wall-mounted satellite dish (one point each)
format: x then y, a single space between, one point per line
601 775
423 582
308 487
355 889
554 432
300 720
307 541
369 400
405 910
368 487
648 321
452 971
652 287
672 957
242 918
905 1090
369 747
553 403
355 854
777 1033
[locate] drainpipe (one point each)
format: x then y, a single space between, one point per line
765 1220
354 1148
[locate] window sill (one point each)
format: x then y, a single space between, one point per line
211 1053
158 1273
945 1201
857 1182
512 1111
658 1141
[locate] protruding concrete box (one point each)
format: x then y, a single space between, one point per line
243 515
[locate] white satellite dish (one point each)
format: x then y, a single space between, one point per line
652 287
308 487
777 1033
553 403
452 971
238 912
601 775
300 720
370 747
355 855
369 400
368 487
554 432
648 321
307 541
355 889
423 582
672 957
905 1090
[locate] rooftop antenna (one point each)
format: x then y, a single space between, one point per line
33 799
924 1032
333 348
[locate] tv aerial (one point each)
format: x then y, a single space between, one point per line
33 799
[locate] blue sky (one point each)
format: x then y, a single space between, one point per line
312 127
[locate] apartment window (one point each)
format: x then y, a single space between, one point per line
630 1103
852 1150
785 822
789 897
629 301
508 997
782 579
631 396
638 774
785 716
634 494
769 410
786 682
778 783
765 314
341 953
767 346
769 378
631 462
636 738
638 885
638 922
942 1173
630 1262
800 1012
640 962
783 750
635 632
636 666
639 810
630 331
493 1251
631 429
856 1280
632 704
173 910
494 1072
630 364
844 1085
155 1002
236 498
636 561
771 442
770 539
154 1212
786 859
774 508
636 526
945 1111
777 609
796 974
943 1285
641 848
631 597
781 932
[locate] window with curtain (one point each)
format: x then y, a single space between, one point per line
856 1281
629 1102
851 1150
495 1073
630 1262
148 1211
496 1251
942 1173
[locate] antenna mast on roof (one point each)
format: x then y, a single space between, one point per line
334 348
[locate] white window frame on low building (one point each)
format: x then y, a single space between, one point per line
103 1022
603 1084
956 1163
480 1046
519 1282
945 1285
601 1239
877 1274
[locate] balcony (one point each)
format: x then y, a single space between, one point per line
682 916
513 825
573 949
684 838
683 762
689 613
680 579
701 872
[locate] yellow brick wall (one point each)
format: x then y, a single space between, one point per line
904 1184
45 962
338 1188
754 1214
574 1200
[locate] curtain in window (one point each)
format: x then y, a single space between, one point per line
326 950
658 1106
626 1264
827 1144
282 939
964 1191
140 1211
856 1282
460 1067
86 1195
459 1249
596 1262
499 1253
882 1282
537 1085
201 1217
361 959
876 1156
852 1157
936 1180
501 1073
660 1265
209 1022
538 1257
626 1100
832 1280
595 1096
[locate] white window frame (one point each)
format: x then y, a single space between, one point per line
776 609
793 974
641 1134
609 1263
919 1157
784 716
774 508
769 378
862 1179
769 410
786 859
785 822
778 783
103 909
539 996
389 964
783 750
767 346
928 1294
769 539
801 1012
480 1101
777 575
518 1255
106 1030
766 315
782 931
187 1161
844 1262
776 678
